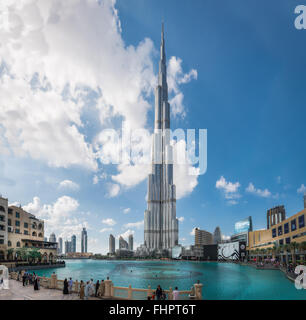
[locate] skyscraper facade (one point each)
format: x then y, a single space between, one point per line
275 215
73 243
84 240
111 244
202 237
52 237
68 246
60 245
160 222
131 240
217 236
123 244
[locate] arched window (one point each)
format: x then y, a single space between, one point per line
40 234
34 234
18 244
9 243
34 225
2 209
40 226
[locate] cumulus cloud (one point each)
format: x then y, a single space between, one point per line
126 210
137 225
57 55
225 238
181 219
301 189
192 232
175 78
68 184
229 189
60 217
126 234
109 221
113 190
261 193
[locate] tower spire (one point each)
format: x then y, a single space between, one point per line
162 45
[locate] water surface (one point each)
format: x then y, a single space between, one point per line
220 280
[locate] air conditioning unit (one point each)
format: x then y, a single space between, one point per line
10 229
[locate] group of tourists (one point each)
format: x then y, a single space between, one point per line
88 289
29 279
160 294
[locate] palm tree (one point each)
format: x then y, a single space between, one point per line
263 251
302 249
257 254
293 246
10 253
286 247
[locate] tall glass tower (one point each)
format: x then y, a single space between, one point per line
160 222
84 240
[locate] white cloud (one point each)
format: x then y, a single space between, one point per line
301 189
175 78
60 217
225 238
95 179
137 225
192 232
113 190
228 187
56 54
261 193
126 234
68 184
181 219
185 175
230 190
106 230
109 221
126 210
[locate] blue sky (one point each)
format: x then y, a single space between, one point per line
248 93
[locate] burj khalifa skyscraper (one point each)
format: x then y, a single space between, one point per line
160 222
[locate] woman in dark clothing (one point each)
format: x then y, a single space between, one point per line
97 288
36 283
65 291
158 292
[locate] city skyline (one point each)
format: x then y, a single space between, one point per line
218 79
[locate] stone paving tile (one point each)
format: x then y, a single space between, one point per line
18 292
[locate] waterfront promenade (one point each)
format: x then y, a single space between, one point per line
18 292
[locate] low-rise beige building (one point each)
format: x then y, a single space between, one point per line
292 229
18 229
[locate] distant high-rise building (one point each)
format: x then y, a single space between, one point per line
202 237
244 225
60 245
217 236
123 244
112 244
275 215
52 237
131 242
84 240
68 246
73 243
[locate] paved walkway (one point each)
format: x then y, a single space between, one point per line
18 292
